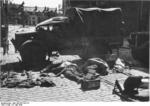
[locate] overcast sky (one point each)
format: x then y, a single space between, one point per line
40 3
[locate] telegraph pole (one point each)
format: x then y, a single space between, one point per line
0 21
4 25
1 49
6 3
140 15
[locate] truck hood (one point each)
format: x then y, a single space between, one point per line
54 20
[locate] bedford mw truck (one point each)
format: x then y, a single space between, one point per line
90 30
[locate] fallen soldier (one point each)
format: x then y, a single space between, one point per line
97 64
72 72
90 70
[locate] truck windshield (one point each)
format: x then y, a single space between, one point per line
44 28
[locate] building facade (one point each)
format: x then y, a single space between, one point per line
19 14
38 14
32 19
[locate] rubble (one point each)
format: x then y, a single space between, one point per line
46 82
25 80
120 66
28 83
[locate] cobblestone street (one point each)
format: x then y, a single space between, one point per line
65 90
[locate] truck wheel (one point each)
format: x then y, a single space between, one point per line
33 54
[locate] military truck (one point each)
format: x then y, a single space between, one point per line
91 30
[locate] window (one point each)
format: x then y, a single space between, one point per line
33 18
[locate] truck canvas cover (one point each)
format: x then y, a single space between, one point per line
96 21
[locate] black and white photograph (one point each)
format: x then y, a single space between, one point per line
74 51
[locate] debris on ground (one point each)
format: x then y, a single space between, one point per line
90 84
46 82
119 66
111 59
25 80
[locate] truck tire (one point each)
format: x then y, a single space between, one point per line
33 54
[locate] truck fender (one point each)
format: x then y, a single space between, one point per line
33 53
